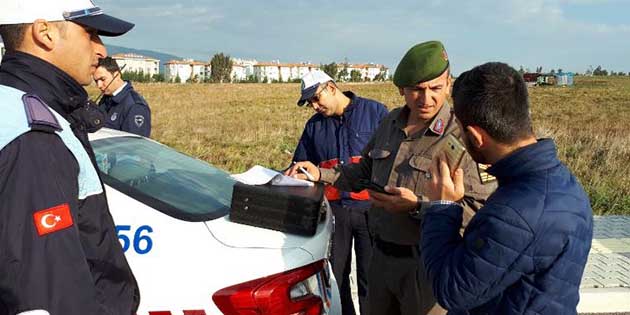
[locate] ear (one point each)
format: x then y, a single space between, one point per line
478 136
333 89
44 34
401 91
449 84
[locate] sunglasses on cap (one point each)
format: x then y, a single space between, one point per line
315 98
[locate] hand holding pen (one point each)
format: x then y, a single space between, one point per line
303 170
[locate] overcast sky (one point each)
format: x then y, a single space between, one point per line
567 34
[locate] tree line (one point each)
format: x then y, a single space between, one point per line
597 71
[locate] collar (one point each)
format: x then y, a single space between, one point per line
34 75
534 157
121 93
354 100
118 90
437 125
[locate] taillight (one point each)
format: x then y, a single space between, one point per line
293 292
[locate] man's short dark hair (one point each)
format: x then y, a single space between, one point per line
494 97
109 64
13 35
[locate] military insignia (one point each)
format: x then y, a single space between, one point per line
444 55
139 120
438 126
483 174
114 116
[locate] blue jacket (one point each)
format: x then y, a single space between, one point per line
524 252
328 141
127 111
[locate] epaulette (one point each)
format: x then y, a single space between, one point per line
39 115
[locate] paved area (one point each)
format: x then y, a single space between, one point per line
605 287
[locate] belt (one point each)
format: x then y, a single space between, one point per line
395 250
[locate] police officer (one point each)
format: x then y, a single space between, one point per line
335 135
398 157
59 253
126 109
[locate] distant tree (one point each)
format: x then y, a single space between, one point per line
251 79
600 72
343 74
331 69
178 79
560 70
380 76
539 69
221 67
355 76
521 70
552 71
158 77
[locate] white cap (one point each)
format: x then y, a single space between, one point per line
83 12
310 83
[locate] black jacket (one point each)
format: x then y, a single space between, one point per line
127 111
78 270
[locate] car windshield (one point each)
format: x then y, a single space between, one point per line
171 182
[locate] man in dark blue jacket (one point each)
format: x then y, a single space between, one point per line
525 250
126 109
335 135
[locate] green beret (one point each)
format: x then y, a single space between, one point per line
423 62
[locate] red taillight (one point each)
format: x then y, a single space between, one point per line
271 295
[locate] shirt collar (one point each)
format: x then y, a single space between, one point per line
120 88
437 125
353 101
120 93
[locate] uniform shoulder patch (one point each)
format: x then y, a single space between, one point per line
484 176
52 219
138 120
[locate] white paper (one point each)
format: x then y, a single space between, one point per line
259 175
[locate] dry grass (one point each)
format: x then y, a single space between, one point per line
237 126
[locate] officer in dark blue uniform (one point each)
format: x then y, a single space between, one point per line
59 253
126 109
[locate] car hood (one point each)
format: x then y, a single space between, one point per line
244 236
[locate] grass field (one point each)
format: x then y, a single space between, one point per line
237 126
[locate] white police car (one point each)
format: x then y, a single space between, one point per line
171 215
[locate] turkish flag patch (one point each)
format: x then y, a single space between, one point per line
52 219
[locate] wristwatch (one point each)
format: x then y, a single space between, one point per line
419 210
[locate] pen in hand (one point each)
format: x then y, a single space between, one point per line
308 175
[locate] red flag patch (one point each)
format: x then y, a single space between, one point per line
52 219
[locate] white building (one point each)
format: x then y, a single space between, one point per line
368 71
242 69
282 72
186 70
2 50
137 63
